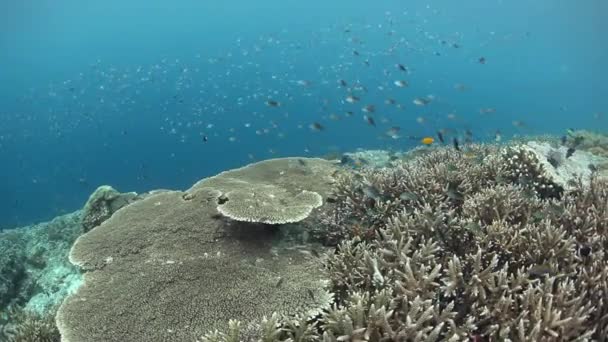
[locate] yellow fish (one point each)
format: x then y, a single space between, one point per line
427 140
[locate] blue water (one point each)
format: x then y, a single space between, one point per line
122 92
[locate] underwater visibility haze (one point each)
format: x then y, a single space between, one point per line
314 151
122 93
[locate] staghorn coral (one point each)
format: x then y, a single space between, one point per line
20 325
274 191
173 260
102 203
503 262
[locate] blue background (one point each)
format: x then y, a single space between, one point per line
122 92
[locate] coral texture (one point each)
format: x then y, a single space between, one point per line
170 267
460 246
274 191
102 203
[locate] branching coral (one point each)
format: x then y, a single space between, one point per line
506 262
26 326
503 260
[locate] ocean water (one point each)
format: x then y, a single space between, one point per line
154 94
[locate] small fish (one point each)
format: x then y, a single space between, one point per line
351 99
564 139
393 132
453 192
401 83
370 120
592 168
460 87
401 67
349 113
205 138
279 282
408 196
390 101
474 228
315 253
427 140
570 152
497 136
371 191
342 83
538 271
440 136
303 83
482 60
456 144
317 127
487 111
369 109
518 123
311 294
301 162
273 103
419 101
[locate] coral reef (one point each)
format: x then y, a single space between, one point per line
453 247
274 191
34 270
27 326
102 203
173 260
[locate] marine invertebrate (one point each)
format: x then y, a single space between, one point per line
274 191
173 260
102 203
21 325
269 204
487 266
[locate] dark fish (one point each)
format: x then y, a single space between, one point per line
456 145
279 282
453 192
315 126
330 199
315 253
311 294
564 139
482 60
440 136
401 67
592 167
537 271
301 162
369 120
273 103
553 161
343 83
205 138
468 136
585 250
570 152
356 53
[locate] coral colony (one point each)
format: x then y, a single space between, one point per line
483 243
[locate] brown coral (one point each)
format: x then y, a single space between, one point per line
169 267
